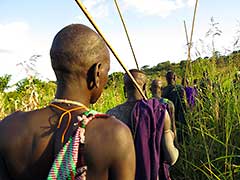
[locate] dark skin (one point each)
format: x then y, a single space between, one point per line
132 95
80 60
156 90
171 80
123 111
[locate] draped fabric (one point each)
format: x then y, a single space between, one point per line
147 126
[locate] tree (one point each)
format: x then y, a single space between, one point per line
4 82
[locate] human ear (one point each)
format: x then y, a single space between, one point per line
145 89
97 72
93 76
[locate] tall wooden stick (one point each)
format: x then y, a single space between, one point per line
126 31
80 4
193 22
188 65
185 27
188 54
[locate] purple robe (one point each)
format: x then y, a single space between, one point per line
147 123
191 93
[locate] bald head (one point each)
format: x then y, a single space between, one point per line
75 49
129 87
80 60
156 83
170 77
156 88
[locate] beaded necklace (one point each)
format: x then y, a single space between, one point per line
66 101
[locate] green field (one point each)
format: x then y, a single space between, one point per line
211 149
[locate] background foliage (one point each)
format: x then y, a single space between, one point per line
211 148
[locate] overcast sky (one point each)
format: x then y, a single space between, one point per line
155 27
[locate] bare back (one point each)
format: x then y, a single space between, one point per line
26 147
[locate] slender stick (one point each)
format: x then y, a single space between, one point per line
80 4
126 31
185 27
190 41
193 22
189 56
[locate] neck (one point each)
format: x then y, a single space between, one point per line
69 102
156 96
74 94
134 97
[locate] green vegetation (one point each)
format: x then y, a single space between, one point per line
211 149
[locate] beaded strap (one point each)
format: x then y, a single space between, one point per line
65 164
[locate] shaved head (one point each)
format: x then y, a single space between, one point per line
170 77
156 88
80 60
130 90
75 49
138 75
156 83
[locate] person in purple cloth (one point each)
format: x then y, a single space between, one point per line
156 90
191 93
30 141
150 124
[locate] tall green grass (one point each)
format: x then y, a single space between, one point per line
211 147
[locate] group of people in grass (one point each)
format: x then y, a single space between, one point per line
68 140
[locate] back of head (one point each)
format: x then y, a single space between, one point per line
156 87
74 50
139 77
170 77
156 83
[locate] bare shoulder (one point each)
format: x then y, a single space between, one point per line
122 111
14 121
167 121
108 135
19 126
116 111
109 149
9 122
9 133
11 117
119 129
109 128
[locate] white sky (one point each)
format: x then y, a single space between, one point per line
155 28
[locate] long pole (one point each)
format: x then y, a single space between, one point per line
126 31
188 65
80 4
188 54
193 22
185 27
